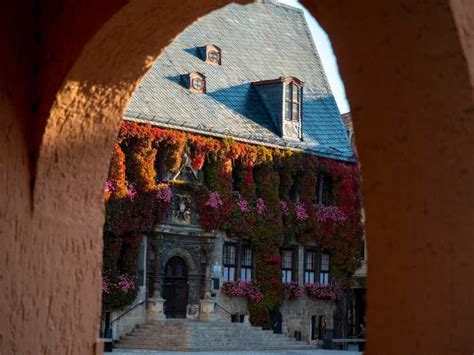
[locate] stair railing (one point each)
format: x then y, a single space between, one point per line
223 308
126 312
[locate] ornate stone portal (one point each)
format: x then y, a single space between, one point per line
182 240
193 246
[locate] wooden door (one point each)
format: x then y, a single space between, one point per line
176 288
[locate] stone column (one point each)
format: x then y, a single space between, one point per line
192 311
207 276
207 305
157 276
156 303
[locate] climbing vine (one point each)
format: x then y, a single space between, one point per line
263 195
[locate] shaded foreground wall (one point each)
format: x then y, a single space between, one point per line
68 70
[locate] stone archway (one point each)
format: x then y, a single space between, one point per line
408 70
182 253
193 277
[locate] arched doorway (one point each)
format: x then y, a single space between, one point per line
176 288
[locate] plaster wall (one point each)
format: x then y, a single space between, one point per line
408 73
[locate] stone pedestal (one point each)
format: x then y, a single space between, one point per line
207 310
156 309
192 311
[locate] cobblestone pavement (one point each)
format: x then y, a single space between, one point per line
251 352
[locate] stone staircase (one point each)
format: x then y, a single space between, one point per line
183 335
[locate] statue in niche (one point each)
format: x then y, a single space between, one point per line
186 171
181 207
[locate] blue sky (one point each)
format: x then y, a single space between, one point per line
327 57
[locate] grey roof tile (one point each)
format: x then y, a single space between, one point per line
259 41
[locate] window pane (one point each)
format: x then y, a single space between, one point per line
287 259
229 254
296 92
319 197
325 190
198 84
288 92
213 56
325 262
324 278
246 257
288 110
245 274
310 260
286 276
296 113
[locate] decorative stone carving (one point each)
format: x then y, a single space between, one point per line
192 311
186 172
181 208
207 310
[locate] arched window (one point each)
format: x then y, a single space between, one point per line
197 82
213 54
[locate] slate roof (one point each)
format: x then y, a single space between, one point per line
259 41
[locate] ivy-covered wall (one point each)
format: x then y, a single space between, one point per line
266 196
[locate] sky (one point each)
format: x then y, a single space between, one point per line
323 44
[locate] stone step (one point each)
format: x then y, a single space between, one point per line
156 331
149 347
210 339
227 332
222 348
213 347
205 336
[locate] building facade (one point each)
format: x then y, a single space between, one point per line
233 192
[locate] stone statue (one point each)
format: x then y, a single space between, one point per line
216 270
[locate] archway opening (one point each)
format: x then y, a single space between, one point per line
414 100
219 177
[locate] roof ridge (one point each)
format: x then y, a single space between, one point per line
280 4
316 53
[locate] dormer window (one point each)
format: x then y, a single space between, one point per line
283 98
197 82
213 54
292 106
